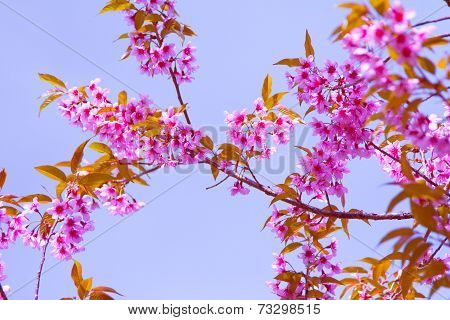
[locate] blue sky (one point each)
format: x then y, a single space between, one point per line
187 243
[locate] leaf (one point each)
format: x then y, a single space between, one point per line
406 168
139 19
309 50
274 100
117 6
95 179
355 269
52 80
288 192
46 224
380 269
87 284
290 113
397 233
397 199
295 62
207 142
52 172
77 273
380 5
435 41
267 87
105 289
42 198
442 64
3 176
291 247
406 281
98 295
100 147
10 211
123 98
78 156
427 64
345 227
49 100
123 36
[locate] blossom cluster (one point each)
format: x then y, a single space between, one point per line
134 130
314 262
254 132
336 94
365 45
154 52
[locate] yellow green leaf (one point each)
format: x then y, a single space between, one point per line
295 62
52 172
95 179
291 247
2 178
52 80
49 100
123 98
267 87
380 5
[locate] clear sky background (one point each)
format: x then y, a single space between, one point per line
187 243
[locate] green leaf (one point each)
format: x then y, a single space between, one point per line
309 50
52 80
52 172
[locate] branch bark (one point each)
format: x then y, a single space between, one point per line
360 215
2 293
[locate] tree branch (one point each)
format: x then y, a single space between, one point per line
2 293
359 215
41 264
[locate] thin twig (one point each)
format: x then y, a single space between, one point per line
41 265
218 183
431 21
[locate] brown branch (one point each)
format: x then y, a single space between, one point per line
2 293
359 215
174 80
180 98
218 183
41 264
